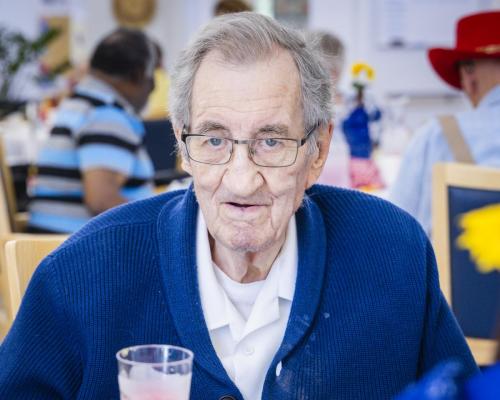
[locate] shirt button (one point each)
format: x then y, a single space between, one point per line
227 398
248 351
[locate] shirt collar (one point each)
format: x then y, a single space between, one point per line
287 263
213 298
492 98
95 87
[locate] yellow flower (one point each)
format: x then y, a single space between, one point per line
481 237
370 73
359 68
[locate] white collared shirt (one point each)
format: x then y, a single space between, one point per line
247 340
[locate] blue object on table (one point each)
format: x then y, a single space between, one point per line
438 384
443 383
485 386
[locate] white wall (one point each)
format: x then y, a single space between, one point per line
398 71
21 15
171 27
174 23
405 71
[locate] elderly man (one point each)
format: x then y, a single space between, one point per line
282 289
94 158
469 137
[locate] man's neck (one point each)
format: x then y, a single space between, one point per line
244 267
120 87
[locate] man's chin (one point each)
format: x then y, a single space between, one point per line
245 242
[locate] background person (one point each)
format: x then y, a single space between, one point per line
230 6
94 158
281 288
473 66
332 50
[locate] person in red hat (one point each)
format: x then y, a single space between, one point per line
473 136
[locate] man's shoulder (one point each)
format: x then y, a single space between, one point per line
427 146
349 200
368 239
430 130
123 237
134 216
354 211
479 118
110 113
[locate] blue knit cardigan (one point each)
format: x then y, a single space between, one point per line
367 318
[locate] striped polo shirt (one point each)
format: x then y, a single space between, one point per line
94 128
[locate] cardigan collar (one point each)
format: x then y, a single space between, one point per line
176 229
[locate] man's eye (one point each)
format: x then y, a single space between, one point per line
270 142
214 141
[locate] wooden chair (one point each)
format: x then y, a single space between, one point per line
7 227
22 258
474 295
10 219
6 217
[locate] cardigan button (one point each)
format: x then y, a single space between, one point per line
227 398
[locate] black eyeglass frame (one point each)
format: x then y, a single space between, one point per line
299 142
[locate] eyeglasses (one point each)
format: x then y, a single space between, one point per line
264 152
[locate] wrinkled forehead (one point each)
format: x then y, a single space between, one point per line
266 87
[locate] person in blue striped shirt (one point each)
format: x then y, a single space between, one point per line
94 158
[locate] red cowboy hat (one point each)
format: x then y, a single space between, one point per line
478 36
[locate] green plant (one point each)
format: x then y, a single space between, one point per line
16 50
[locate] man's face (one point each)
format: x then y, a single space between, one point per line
478 77
247 207
468 81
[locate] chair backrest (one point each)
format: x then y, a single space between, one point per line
160 144
8 206
159 139
464 199
22 258
7 197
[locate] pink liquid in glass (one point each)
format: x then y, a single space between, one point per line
171 387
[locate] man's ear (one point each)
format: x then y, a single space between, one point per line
185 164
319 158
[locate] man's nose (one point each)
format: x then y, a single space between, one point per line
242 176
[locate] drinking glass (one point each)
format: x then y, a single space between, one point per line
154 372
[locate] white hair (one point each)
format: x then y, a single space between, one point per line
245 38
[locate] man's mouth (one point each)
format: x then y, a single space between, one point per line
241 205
243 209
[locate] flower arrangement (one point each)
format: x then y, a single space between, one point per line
363 171
362 74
